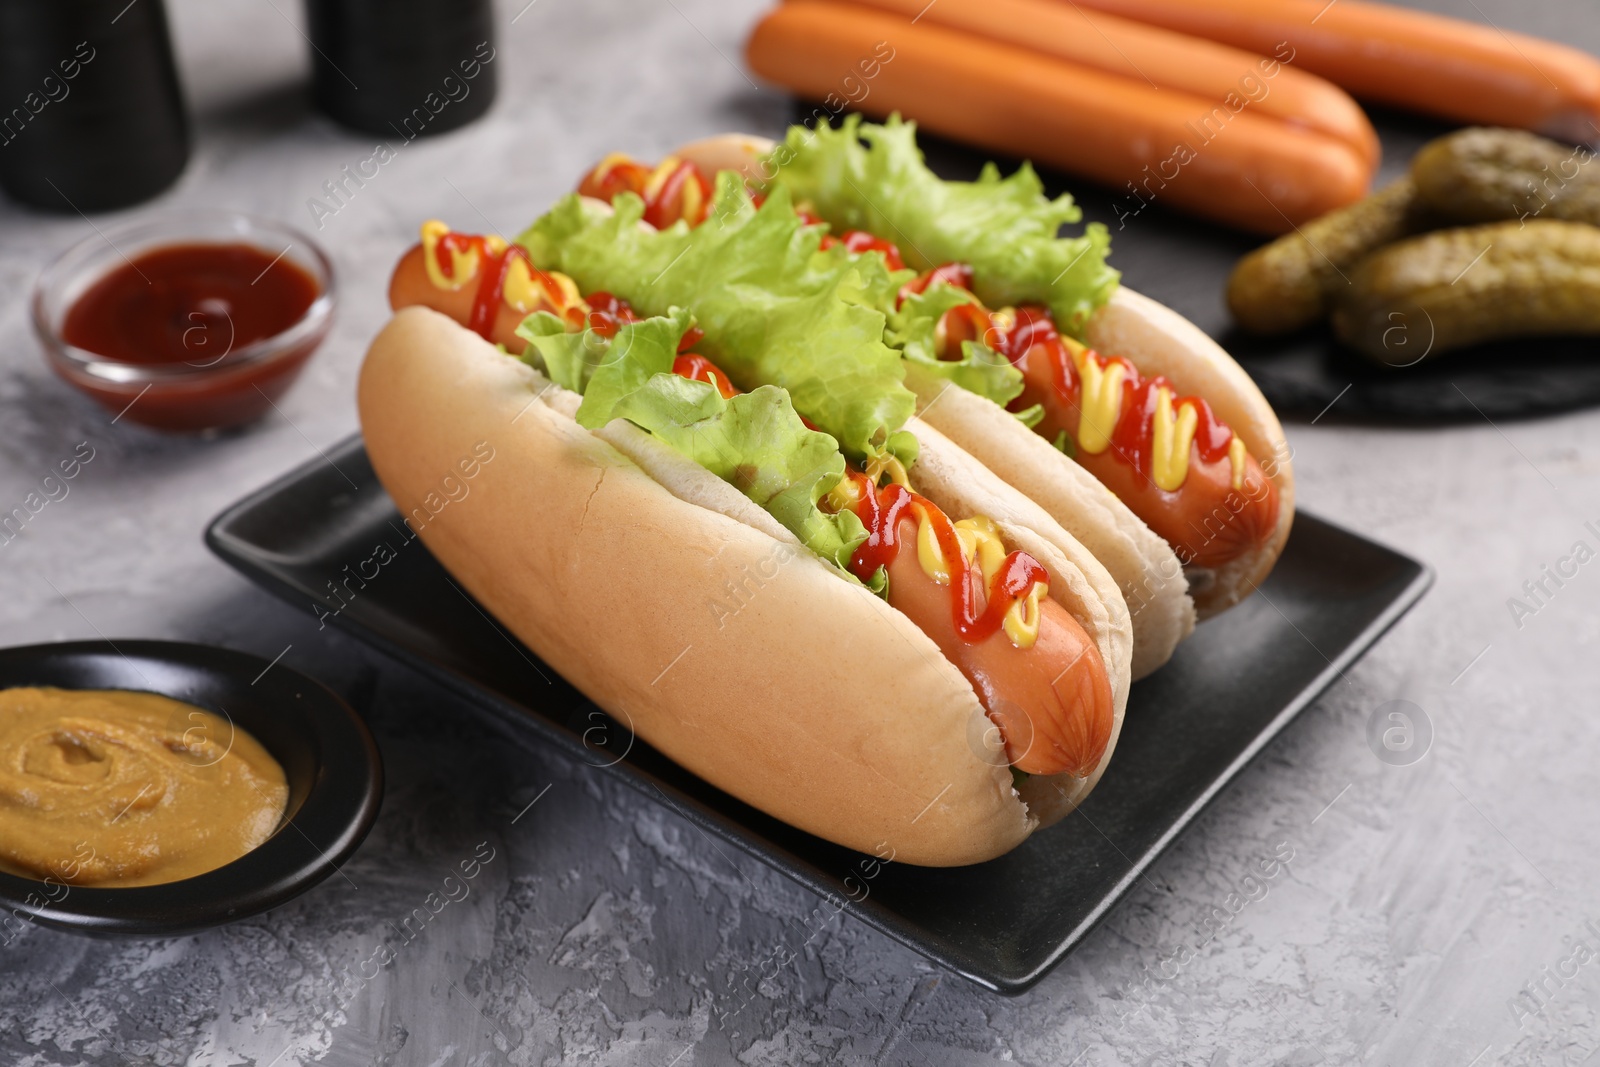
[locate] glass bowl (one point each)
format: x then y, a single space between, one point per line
209 392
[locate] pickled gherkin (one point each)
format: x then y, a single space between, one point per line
1485 175
1292 282
1444 290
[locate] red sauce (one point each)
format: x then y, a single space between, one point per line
1136 423
859 241
492 286
1033 326
956 274
607 313
195 305
966 322
808 219
1212 436
880 511
1034 336
977 613
189 303
662 208
493 269
1132 441
667 205
451 243
618 178
700 369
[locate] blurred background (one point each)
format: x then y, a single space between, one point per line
1424 899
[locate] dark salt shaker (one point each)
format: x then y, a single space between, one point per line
402 67
91 114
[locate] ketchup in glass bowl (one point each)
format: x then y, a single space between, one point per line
189 322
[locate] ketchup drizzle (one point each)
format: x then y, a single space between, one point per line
956 274
880 511
859 241
1034 335
493 269
607 313
666 205
492 286
698 368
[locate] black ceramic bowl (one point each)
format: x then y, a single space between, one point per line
328 756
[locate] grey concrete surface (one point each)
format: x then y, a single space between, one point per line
1441 913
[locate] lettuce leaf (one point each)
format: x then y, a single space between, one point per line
865 276
564 362
754 441
1032 417
605 371
1006 228
774 309
980 370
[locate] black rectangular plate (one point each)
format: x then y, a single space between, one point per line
1190 728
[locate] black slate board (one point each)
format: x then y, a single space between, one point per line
1190 728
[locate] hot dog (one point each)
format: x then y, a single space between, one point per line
1220 162
1146 569
1044 733
1412 59
1152 421
1002 610
1168 457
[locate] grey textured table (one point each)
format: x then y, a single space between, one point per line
1435 913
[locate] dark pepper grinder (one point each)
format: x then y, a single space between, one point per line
402 68
91 114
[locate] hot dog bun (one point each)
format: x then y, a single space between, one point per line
1163 603
602 551
1147 572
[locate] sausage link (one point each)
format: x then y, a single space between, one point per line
1206 520
1245 169
1051 702
1412 59
409 285
1154 56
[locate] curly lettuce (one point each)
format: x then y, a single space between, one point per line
775 309
872 177
980 369
755 441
